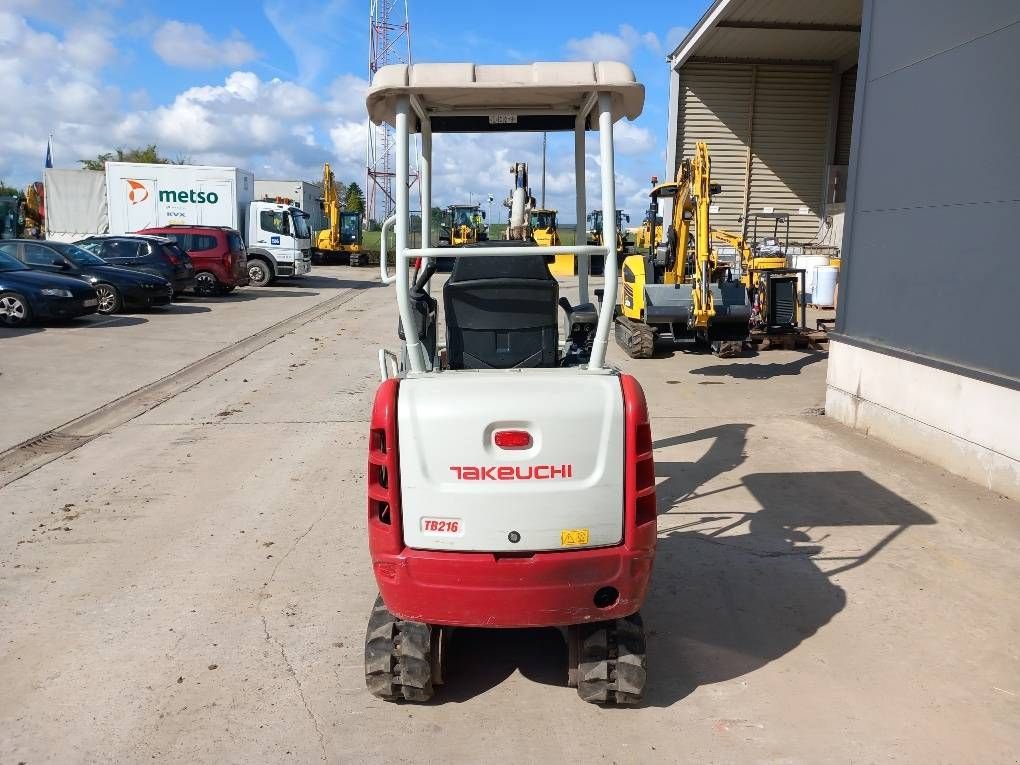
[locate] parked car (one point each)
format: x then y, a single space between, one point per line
151 254
217 252
26 294
116 288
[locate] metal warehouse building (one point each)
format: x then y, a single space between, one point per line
907 112
305 193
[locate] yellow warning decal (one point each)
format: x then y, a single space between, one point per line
573 537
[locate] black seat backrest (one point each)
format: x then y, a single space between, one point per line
501 311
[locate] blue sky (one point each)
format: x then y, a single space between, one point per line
278 87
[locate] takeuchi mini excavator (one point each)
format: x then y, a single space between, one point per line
341 239
682 290
510 473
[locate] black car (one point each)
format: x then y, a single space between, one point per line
153 254
26 294
117 288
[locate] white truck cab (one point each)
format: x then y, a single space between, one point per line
279 241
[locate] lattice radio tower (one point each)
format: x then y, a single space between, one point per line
389 43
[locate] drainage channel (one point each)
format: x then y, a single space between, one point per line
40 450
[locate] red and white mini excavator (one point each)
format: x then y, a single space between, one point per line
510 473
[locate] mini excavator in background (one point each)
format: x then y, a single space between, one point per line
683 290
773 289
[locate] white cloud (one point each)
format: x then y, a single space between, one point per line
308 31
675 36
58 77
190 46
603 46
633 139
347 96
350 141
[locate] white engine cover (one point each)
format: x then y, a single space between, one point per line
459 491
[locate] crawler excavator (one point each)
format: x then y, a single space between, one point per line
526 221
341 239
773 289
683 291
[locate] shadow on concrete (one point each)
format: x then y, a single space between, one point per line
666 348
93 321
324 282
97 321
761 371
8 332
177 308
241 296
731 591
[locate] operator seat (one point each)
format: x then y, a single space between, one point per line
501 311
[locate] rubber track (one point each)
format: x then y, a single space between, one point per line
40 450
727 349
638 340
612 663
398 653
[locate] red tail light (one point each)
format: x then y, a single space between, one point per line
513 439
174 260
385 533
639 487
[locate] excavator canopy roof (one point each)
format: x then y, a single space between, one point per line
663 190
484 97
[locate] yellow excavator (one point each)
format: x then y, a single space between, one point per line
543 227
595 230
463 225
682 290
341 239
623 245
651 227
773 289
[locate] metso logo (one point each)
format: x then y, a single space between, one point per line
136 191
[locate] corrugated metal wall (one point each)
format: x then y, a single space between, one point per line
845 117
715 107
779 111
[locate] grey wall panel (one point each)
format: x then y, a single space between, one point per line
944 131
908 31
949 294
931 262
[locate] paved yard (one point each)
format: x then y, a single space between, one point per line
194 584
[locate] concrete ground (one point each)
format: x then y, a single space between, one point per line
194 585
53 373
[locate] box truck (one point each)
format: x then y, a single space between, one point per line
75 204
276 232
306 195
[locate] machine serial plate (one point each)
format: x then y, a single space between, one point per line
573 537
502 118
